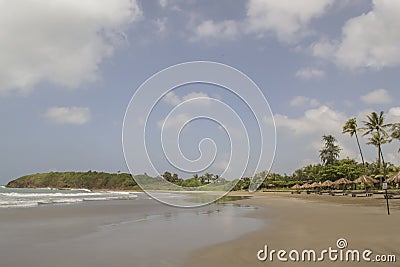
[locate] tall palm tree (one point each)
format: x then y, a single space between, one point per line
396 132
350 127
375 125
377 139
330 152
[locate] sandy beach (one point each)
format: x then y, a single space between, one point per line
146 233
310 222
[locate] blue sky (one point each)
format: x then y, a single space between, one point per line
68 70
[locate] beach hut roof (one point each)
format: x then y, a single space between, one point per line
306 186
394 179
365 180
315 184
327 183
296 186
343 181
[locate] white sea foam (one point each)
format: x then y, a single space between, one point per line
83 189
22 204
67 200
30 198
13 194
119 192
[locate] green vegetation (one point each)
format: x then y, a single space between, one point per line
89 180
350 127
330 152
396 132
375 127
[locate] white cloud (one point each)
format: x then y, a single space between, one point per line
68 115
287 19
395 111
379 96
393 115
324 48
310 73
393 158
173 99
303 135
163 3
176 121
369 40
227 29
319 120
194 95
62 42
303 101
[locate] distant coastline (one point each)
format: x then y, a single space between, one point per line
90 180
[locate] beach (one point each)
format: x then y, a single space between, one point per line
311 222
143 232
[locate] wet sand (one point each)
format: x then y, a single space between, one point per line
310 222
139 232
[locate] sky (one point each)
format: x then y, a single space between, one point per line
69 69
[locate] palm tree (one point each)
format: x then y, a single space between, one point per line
208 177
396 132
350 127
215 178
377 139
330 152
376 125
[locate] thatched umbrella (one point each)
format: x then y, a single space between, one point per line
296 186
327 183
315 185
342 181
305 186
394 179
365 180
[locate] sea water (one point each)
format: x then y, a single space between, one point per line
28 197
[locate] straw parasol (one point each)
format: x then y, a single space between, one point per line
394 179
327 183
296 186
315 185
365 180
305 186
343 181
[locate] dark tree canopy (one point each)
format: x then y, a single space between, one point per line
330 152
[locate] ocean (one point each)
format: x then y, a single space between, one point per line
28 197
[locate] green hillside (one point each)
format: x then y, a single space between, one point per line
89 180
